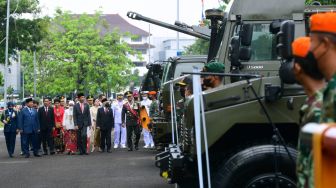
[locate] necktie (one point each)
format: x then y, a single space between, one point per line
30 111
82 107
46 110
105 110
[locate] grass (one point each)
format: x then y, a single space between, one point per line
1 125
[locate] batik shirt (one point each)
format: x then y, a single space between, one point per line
310 112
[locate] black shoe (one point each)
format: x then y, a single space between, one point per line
26 156
80 153
37 155
10 155
130 149
108 151
136 148
52 153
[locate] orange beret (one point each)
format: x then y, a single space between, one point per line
152 93
323 22
300 47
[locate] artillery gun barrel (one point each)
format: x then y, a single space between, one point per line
136 16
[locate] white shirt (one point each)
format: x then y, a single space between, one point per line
117 109
68 119
147 104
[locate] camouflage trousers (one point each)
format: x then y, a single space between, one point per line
305 170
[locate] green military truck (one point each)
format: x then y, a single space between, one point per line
161 73
157 79
251 123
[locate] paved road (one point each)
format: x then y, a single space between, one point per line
117 169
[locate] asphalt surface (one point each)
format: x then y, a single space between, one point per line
119 169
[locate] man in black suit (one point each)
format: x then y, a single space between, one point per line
105 122
82 120
47 126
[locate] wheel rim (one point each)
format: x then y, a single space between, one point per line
269 180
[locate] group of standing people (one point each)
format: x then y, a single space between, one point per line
77 126
315 69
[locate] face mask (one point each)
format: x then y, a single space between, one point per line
312 54
313 68
144 98
207 81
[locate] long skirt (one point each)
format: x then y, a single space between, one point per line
59 139
70 139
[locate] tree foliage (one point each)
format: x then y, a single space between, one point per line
323 2
76 56
24 33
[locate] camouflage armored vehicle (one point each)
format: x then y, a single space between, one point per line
251 123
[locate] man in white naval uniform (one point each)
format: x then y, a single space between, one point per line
119 130
148 138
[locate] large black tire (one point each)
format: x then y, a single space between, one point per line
254 167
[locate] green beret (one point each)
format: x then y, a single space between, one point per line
215 67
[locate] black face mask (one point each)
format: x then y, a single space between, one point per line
207 82
312 68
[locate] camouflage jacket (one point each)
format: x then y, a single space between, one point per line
311 109
310 112
154 110
329 102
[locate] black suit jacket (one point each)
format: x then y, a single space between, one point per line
82 119
104 120
47 121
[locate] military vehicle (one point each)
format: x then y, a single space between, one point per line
160 73
156 80
251 123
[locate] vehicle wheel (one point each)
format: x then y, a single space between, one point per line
254 168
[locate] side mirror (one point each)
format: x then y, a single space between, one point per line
285 38
286 73
234 51
275 27
245 53
246 34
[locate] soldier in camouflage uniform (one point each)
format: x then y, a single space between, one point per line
323 48
154 110
307 74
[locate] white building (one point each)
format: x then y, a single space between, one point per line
139 43
13 76
167 47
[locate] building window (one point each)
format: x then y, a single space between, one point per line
136 39
139 63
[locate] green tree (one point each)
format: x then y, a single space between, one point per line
323 2
1 79
76 56
24 33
